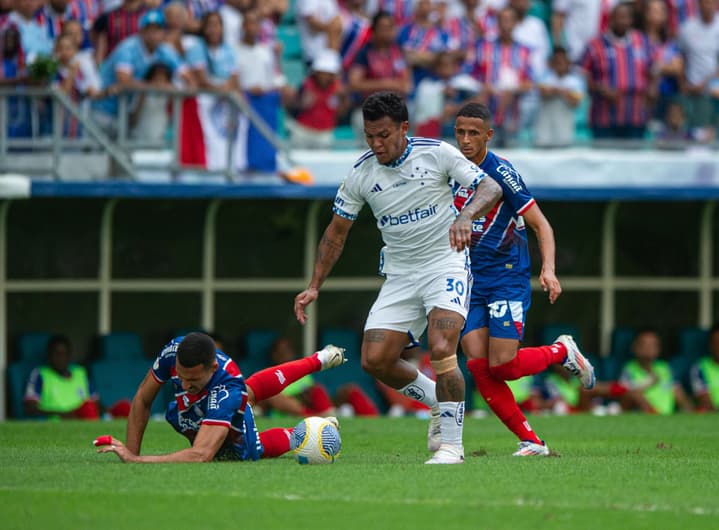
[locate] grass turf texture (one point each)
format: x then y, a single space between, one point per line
622 472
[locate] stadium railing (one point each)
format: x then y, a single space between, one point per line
46 133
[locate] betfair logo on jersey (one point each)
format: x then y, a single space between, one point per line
412 216
510 177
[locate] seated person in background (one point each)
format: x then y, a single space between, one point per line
561 91
307 398
213 402
60 389
564 394
674 130
318 103
705 375
399 404
657 391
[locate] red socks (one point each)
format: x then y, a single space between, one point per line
275 441
273 380
318 401
500 399
530 361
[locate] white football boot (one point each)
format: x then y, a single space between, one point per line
448 454
331 356
527 448
576 363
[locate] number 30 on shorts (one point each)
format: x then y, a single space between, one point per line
456 286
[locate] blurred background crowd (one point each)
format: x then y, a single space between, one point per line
553 72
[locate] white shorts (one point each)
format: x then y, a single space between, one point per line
405 300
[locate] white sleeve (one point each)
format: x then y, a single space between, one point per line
458 168
349 200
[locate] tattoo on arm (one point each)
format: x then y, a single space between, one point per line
485 196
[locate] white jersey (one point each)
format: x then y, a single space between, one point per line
412 201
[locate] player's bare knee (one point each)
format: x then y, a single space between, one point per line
375 364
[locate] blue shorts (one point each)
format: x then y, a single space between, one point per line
500 307
240 444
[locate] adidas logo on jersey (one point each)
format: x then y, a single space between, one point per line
376 188
456 300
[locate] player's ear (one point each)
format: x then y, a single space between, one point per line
404 127
490 133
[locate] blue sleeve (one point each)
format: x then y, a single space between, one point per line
169 56
122 56
33 390
165 361
195 56
514 191
224 402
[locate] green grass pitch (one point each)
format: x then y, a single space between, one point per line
623 472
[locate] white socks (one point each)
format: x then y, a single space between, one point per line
451 417
421 389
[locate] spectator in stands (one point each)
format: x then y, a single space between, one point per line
320 27
705 375
421 40
531 31
576 22
83 57
308 398
668 63
356 30
213 61
320 100
699 42
564 394
113 27
197 10
127 65
618 66
503 67
439 96
679 12
14 73
55 13
461 26
150 118
264 87
561 90
60 389
657 392
401 11
34 38
674 131
380 65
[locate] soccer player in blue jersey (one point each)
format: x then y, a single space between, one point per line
406 183
501 292
213 402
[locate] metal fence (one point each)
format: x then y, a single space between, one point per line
47 141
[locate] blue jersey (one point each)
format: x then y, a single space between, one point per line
222 402
499 239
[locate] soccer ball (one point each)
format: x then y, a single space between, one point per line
316 440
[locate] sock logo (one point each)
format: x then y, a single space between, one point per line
414 392
280 376
459 416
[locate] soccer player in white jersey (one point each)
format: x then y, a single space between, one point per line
406 182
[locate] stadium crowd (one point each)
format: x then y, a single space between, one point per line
639 68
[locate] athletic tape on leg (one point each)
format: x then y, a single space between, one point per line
445 365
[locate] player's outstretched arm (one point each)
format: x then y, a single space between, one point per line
547 248
140 412
483 199
208 441
328 252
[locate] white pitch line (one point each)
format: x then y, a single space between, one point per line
516 502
